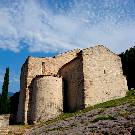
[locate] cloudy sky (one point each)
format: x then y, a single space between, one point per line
44 28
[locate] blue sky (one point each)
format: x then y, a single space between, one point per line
44 28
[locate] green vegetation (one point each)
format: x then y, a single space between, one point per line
98 113
103 118
72 125
130 93
128 65
125 113
5 103
93 130
61 128
132 104
58 128
0 99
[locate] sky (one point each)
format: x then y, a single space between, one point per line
44 28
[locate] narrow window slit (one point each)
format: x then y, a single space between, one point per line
43 67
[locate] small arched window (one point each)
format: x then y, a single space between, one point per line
104 72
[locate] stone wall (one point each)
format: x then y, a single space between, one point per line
103 75
47 98
23 89
91 76
4 120
38 66
72 73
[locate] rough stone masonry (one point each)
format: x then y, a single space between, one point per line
68 82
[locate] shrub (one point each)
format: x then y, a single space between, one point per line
130 93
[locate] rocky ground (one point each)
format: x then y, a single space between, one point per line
108 121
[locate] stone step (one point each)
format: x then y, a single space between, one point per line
4 131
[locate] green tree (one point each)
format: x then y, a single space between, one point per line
128 65
0 100
4 98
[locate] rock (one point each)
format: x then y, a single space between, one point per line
132 109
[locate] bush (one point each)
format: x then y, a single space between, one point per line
130 93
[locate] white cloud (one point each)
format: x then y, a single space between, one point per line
1 78
2 72
14 78
64 26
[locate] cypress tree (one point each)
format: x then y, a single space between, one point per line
0 100
4 97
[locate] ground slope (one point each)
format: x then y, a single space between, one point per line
112 117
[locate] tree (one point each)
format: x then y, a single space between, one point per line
4 98
128 65
0 100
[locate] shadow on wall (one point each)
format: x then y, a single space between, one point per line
30 114
14 108
73 77
65 97
22 97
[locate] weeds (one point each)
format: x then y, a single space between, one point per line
98 113
132 104
130 93
93 130
124 114
103 118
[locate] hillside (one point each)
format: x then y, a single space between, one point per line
112 117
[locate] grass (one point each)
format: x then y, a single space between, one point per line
130 93
93 130
103 118
125 113
132 104
58 128
97 114
61 128
75 124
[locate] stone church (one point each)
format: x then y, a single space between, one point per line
68 82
